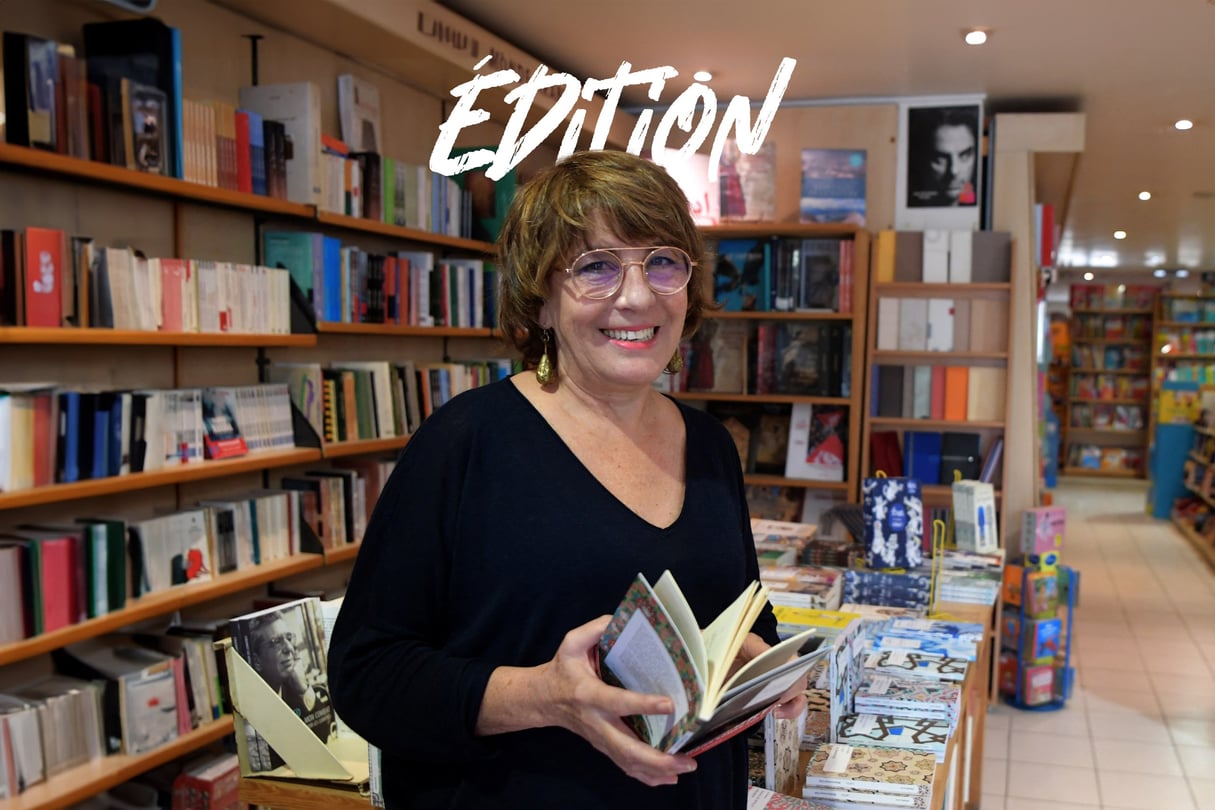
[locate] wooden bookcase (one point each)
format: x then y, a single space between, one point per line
1108 390
1182 343
116 359
781 404
985 342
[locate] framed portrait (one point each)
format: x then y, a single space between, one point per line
944 151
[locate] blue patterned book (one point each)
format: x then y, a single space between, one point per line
894 522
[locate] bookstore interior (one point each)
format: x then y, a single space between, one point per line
227 301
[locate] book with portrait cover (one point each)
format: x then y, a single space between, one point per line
655 645
833 186
285 646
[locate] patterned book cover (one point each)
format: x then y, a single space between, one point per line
761 799
961 631
892 731
909 693
641 614
916 665
894 522
886 772
911 643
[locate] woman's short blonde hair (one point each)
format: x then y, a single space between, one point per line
551 215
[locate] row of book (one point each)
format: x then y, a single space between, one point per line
1107 416
955 393
782 274
1110 358
122 103
943 257
1190 310
936 457
51 279
800 441
1087 456
1094 326
941 325
1113 296
379 399
51 434
59 575
347 284
1185 340
767 357
114 694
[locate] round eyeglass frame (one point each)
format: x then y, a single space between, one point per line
624 268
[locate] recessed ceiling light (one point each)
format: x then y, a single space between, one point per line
1120 234
1145 195
1184 123
1088 276
976 36
1159 272
702 76
1182 273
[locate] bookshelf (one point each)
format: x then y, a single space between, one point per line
1183 343
115 359
764 396
1104 430
928 394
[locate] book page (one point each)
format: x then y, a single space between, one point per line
768 660
643 651
725 635
677 607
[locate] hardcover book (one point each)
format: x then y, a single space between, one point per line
894 522
285 646
654 644
833 186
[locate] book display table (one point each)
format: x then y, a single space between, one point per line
299 794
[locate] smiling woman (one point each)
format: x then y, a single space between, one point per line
446 615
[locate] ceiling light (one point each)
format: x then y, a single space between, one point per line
1145 195
1120 234
1184 123
702 76
1182 273
1088 276
1159 272
976 36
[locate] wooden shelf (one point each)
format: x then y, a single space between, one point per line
899 423
1194 296
1136 434
338 555
393 330
1087 473
1204 462
1096 341
398 232
301 795
76 784
1185 324
765 480
750 230
130 337
94 172
898 357
717 396
363 447
160 603
939 491
1114 311
1137 373
1205 431
178 474
1107 401
808 315
1184 356
927 289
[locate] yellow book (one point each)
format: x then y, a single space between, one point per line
884 265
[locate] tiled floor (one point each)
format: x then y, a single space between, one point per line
1140 730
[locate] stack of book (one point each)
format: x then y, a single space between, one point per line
909 589
803 586
864 776
921 734
969 577
903 664
909 697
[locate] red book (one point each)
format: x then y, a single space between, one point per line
392 312
173 274
58 582
937 403
45 434
1046 237
43 276
244 161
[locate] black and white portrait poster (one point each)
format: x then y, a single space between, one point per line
940 163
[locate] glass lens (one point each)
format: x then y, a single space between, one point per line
597 273
668 270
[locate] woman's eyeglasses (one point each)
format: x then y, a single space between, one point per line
599 273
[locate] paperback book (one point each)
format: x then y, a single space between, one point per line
655 645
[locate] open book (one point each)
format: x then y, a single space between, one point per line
654 645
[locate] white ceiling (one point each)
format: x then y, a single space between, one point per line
1132 66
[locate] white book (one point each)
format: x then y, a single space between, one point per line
888 324
940 325
208 296
297 106
935 266
960 256
913 324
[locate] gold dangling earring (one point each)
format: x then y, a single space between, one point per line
675 364
544 369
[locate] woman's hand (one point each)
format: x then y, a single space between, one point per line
568 692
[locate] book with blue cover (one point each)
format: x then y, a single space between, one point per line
741 274
894 522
